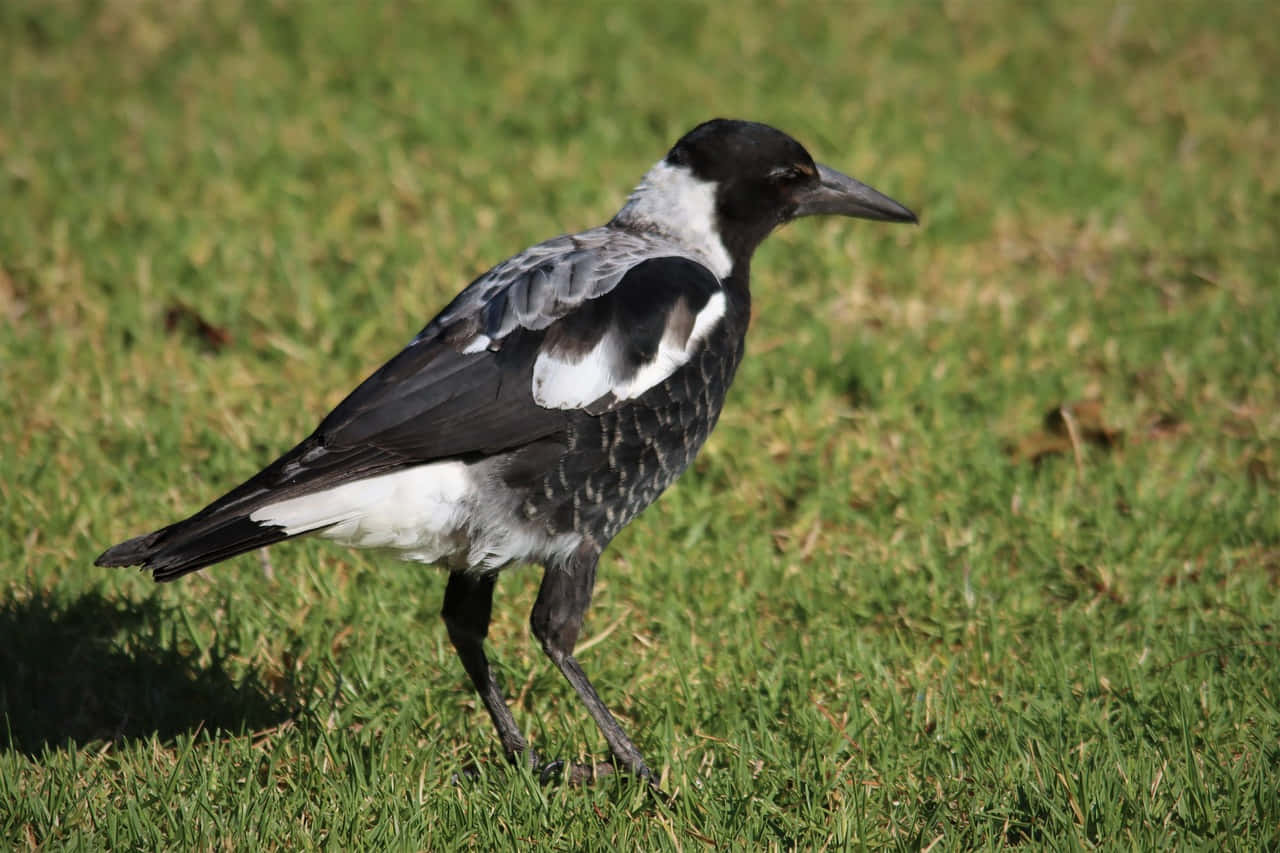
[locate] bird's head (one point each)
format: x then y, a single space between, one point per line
729 183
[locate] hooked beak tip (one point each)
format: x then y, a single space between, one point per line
842 195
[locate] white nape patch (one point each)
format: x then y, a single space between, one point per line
420 511
683 207
560 383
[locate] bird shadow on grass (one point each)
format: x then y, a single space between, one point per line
94 670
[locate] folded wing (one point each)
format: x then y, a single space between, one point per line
547 343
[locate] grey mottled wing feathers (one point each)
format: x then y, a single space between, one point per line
544 283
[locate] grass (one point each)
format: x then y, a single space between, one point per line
889 606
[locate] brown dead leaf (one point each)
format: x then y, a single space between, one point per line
1100 580
1167 426
1040 444
1067 428
1086 415
185 319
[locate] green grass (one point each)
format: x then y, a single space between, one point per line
864 618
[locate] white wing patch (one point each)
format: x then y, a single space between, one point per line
420 511
572 384
568 383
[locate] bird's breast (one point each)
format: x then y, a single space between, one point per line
617 462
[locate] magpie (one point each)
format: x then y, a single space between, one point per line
544 408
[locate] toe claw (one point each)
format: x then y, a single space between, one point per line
549 771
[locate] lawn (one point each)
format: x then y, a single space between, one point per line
985 551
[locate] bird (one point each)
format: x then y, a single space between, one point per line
548 404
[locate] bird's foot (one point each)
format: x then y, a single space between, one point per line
573 772
578 774
550 771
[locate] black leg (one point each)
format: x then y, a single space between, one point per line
467 602
556 620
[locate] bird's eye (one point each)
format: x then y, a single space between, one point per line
790 174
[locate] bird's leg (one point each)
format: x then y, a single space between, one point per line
556 620
468 599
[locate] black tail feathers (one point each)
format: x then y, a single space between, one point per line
176 550
131 552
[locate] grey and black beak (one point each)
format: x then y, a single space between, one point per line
839 194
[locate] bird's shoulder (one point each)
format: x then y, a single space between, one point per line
549 281
579 322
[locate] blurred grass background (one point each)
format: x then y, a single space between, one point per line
891 605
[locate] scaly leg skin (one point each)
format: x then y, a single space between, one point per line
556 620
468 601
